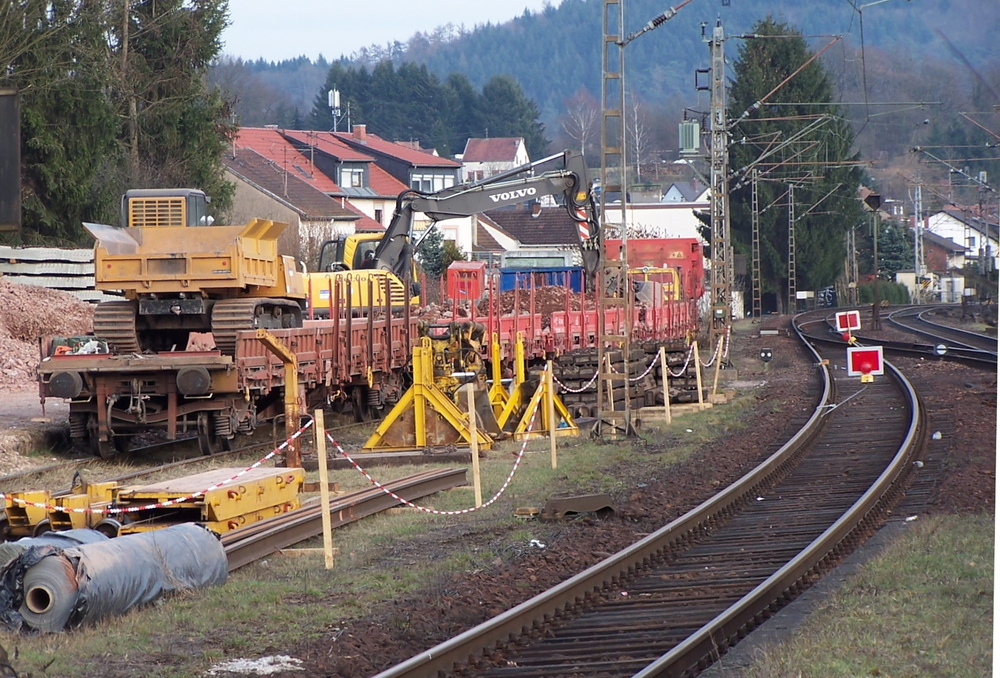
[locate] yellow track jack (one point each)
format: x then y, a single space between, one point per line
425 416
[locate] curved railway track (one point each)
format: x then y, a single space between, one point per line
917 320
672 603
949 343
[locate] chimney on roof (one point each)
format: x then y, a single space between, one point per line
360 132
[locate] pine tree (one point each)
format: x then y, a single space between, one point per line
176 129
68 126
818 163
507 112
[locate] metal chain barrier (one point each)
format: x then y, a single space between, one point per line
170 502
575 390
425 509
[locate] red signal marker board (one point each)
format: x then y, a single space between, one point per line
848 320
862 360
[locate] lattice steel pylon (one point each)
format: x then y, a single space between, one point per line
756 279
792 287
919 267
722 260
614 288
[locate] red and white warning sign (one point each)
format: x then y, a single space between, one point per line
848 320
864 361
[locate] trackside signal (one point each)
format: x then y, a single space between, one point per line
848 321
865 362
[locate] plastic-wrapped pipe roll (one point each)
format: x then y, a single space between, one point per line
50 594
110 577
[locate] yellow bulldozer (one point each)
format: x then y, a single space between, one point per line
180 274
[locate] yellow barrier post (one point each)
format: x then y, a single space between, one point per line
550 407
697 372
324 489
477 484
666 385
718 365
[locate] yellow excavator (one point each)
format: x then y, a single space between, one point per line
390 255
180 274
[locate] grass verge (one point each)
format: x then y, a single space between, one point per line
922 608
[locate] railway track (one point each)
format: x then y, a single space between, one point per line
918 320
672 603
949 343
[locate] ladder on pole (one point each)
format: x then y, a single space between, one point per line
614 293
791 249
755 274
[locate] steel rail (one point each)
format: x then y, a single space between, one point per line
733 624
673 537
253 542
964 354
957 337
707 643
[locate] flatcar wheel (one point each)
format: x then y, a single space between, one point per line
100 448
208 441
359 400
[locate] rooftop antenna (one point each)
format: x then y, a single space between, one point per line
333 101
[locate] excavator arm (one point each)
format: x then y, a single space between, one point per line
562 174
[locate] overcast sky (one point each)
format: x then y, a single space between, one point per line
291 28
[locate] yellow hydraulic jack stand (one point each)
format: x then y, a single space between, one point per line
517 390
563 424
498 394
520 405
424 417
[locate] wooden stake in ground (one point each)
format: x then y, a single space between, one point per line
718 365
697 372
666 385
550 406
324 489
477 484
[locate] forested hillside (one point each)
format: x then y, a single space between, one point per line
553 53
937 52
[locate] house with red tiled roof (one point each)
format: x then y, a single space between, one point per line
420 170
268 190
486 157
417 169
329 165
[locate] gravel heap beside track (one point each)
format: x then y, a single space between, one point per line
27 313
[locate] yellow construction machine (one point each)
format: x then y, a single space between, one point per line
355 253
181 274
563 174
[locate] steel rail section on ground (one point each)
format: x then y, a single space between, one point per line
707 642
253 542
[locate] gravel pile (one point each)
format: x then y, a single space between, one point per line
28 313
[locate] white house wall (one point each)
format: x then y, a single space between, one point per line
673 220
948 226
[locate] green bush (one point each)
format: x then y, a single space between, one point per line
895 293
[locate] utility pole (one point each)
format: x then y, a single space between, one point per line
722 264
918 241
614 289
